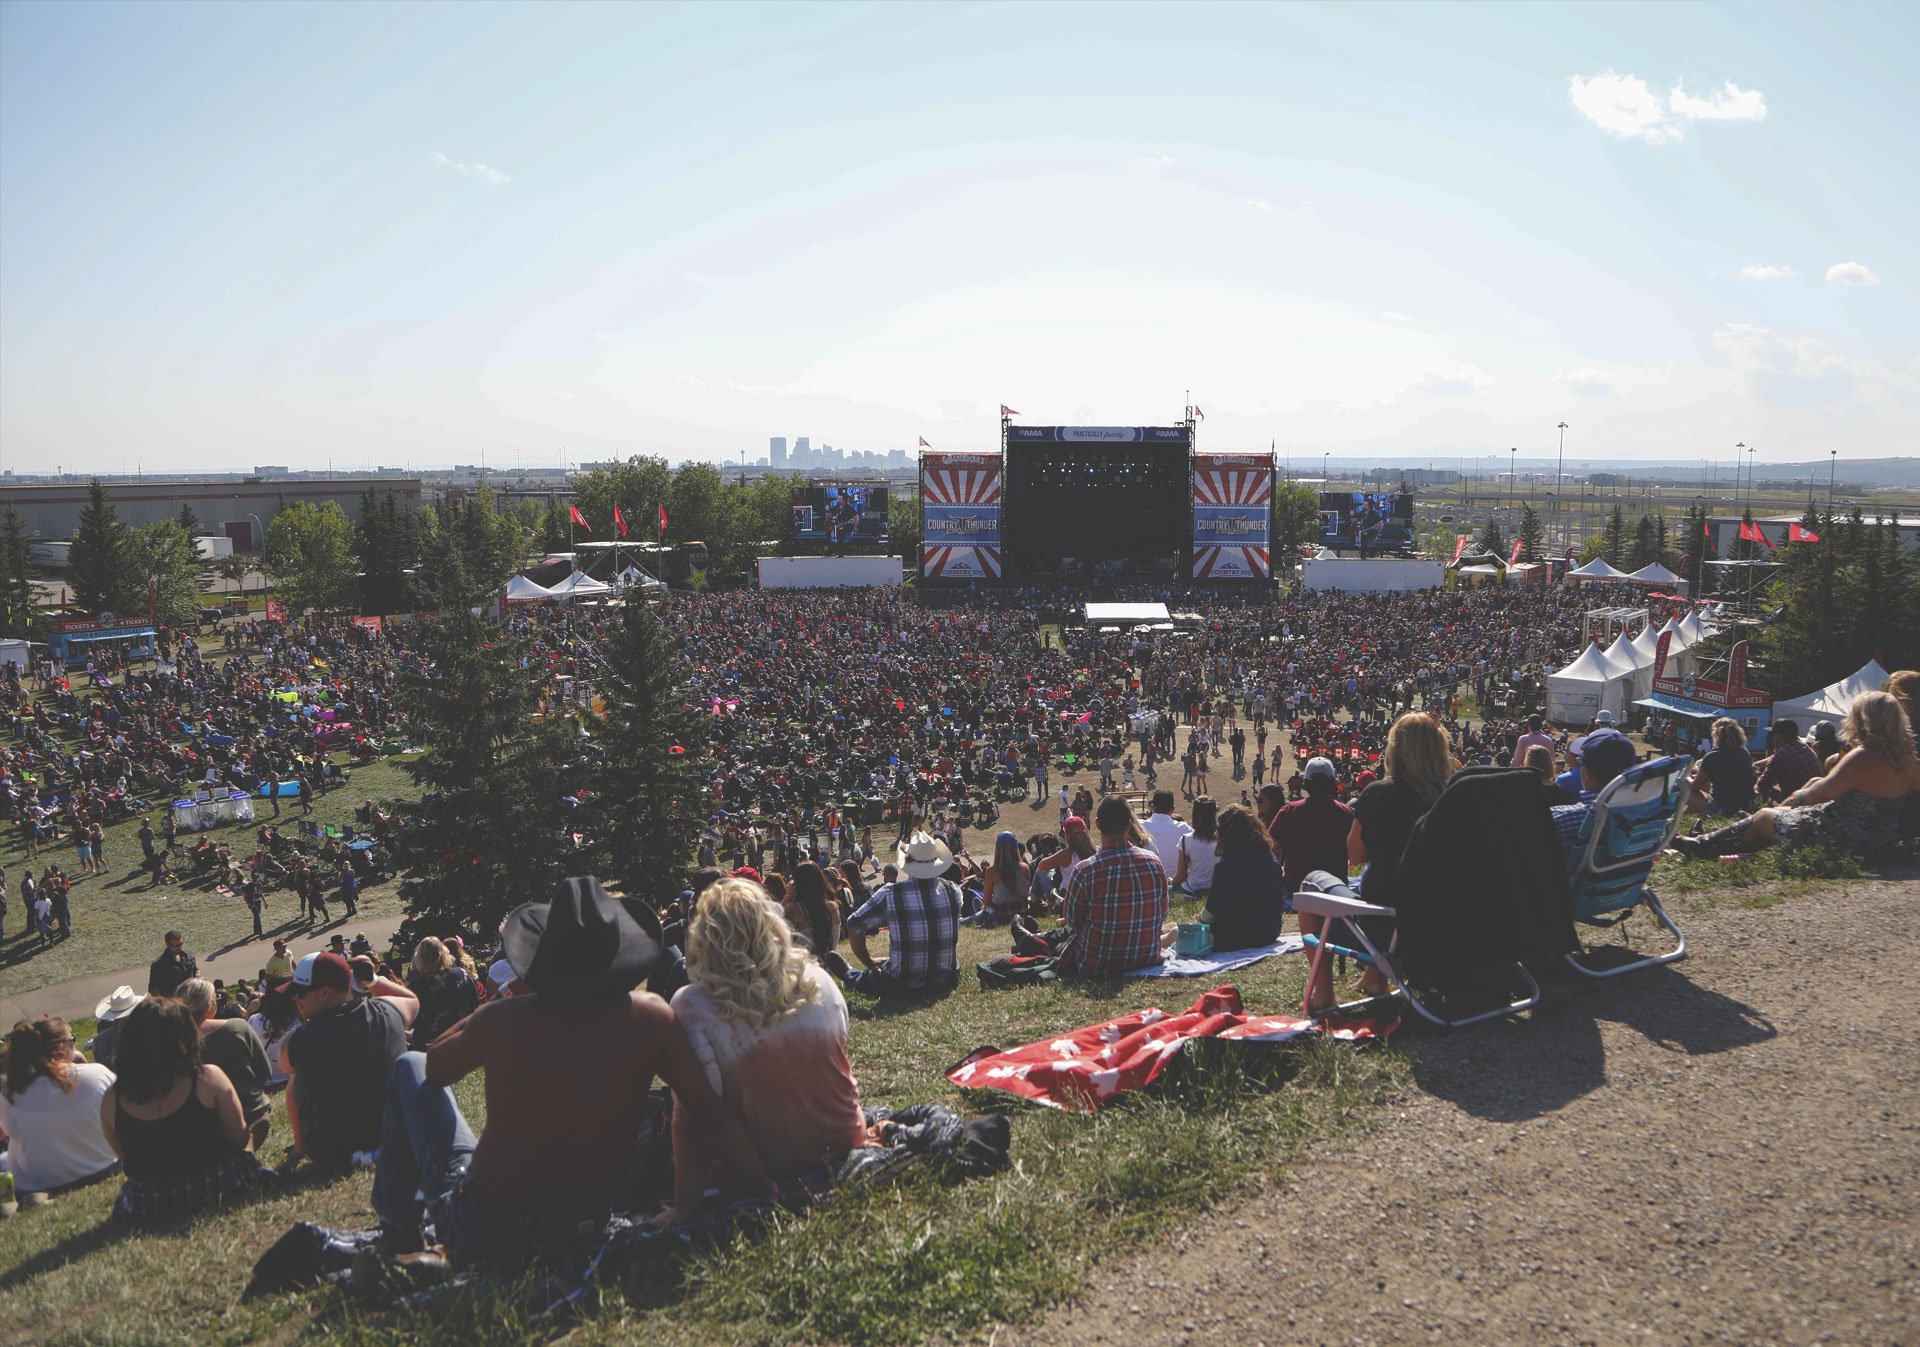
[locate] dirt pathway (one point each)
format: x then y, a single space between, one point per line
1723 1151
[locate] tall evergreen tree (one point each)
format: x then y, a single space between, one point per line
649 792
1491 540
97 562
189 521
491 832
384 543
17 613
1614 539
1532 534
1645 546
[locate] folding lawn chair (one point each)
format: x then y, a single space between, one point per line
1631 823
1490 895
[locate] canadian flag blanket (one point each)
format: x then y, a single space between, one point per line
1080 1071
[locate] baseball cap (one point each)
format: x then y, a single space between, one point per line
325 969
1074 826
1320 767
278 943
1606 752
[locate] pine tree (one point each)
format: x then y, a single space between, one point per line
384 543
1613 541
1645 546
189 521
17 615
649 792
97 562
1532 534
492 826
1490 539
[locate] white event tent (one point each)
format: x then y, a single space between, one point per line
1597 569
1591 684
1653 573
578 584
1638 666
1831 702
522 590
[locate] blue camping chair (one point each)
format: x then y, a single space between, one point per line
1630 824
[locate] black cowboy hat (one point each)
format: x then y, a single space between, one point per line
583 947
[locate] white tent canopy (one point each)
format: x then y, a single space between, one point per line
1638 664
633 575
1597 569
1647 643
522 590
1832 702
1653 573
1589 685
1693 628
577 584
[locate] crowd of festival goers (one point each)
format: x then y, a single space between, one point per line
734 999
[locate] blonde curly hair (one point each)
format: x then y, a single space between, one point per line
741 953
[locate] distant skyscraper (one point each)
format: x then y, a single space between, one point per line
777 451
803 452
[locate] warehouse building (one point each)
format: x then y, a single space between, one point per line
235 508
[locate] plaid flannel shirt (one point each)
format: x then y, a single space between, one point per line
1115 903
922 917
147 1199
1791 767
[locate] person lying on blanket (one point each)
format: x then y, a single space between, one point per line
568 1066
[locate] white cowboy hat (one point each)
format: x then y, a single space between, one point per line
924 857
114 1007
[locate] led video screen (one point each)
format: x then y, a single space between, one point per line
842 516
1366 519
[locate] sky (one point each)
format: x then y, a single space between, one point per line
236 234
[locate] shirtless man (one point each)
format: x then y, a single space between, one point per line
568 1067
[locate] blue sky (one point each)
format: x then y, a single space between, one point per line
235 234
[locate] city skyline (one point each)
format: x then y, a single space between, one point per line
382 235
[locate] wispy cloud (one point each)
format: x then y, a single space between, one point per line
1625 105
1850 273
481 171
1760 272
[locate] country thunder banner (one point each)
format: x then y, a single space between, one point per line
1232 516
960 516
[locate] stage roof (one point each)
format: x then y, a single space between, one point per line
1128 614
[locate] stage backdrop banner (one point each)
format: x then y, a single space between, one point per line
1232 516
960 516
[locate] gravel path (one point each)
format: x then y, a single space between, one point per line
1722 1151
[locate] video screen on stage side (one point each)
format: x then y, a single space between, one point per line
1382 519
840 515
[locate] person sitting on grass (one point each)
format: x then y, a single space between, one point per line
1247 901
50 1112
1114 905
921 912
338 1060
769 1028
234 1047
1722 782
568 1065
1855 808
1004 885
1197 851
174 1120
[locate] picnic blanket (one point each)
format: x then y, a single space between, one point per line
1220 961
1082 1070
913 1137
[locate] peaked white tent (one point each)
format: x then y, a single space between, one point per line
1832 702
578 584
633 575
1647 643
1638 666
1597 569
522 590
1653 573
1586 687
1692 628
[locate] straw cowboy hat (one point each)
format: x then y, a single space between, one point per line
924 857
118 1005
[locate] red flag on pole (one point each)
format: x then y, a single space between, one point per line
1199 415
924 444
1514 560
1797 534
619 521
1007 411
574 512
663 521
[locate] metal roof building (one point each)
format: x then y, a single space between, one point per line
235 507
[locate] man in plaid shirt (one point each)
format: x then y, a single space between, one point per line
1116 901
921 912
1791 764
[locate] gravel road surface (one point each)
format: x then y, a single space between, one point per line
1725 1150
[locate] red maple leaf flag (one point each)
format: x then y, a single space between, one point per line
1797 534
1007 411
663 521
924 444
619 521
1199 415
573 512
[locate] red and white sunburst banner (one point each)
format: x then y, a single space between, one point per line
1232 516
960 516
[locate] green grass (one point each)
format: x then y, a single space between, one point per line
118 920
885 1265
